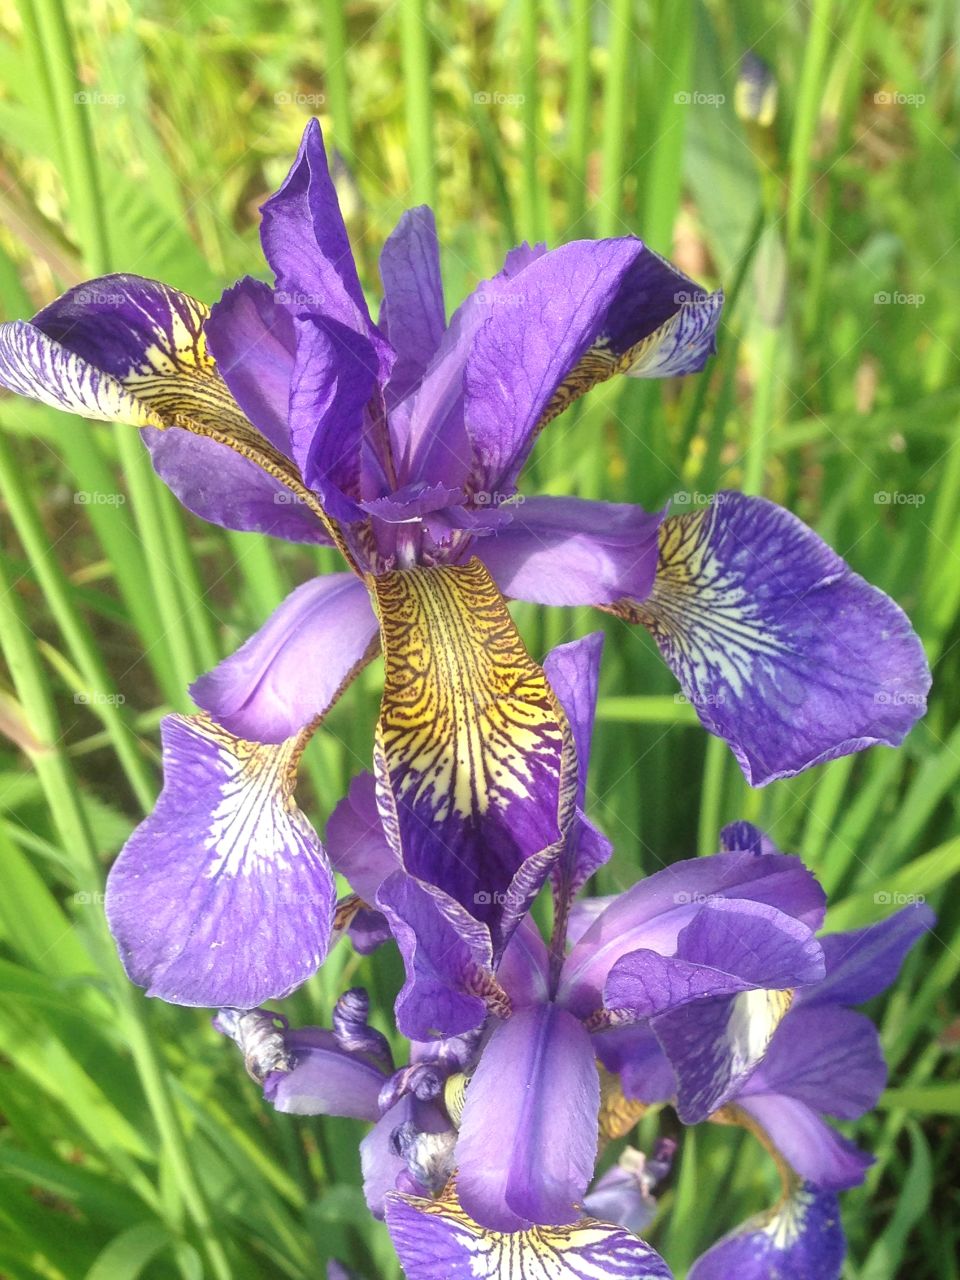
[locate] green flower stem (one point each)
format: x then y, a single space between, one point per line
415 54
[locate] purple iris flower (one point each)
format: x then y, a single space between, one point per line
728 936
288 410
822 1059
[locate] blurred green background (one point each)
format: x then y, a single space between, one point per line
142 138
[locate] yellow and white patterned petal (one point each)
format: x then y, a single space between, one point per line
475 759
436 1240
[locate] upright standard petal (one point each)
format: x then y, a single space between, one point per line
783 650
305 241
570 551
528 1135
801 1239
223 896
334 377
292 670
580 314
437 1240
253 341
413 316
475 763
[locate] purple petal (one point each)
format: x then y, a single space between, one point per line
828 1057
570 551
809 1146
305 241
524 968
528 1137
428 431
783 650
334 377
413 315
384 1169
252 338
437 1240
355 840
574 673
447 956
634 1054
291 671
581 314
802 1240
475 766
726 948
223 896
555 311
864 962
35 366
744 837
653 912
715 1044
325 1080
224 487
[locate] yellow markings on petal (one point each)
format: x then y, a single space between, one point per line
466 713
754 1017
650 357
618 1113
586 1250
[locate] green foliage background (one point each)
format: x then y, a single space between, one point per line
131 1143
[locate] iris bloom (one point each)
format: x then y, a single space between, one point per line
288 410
823 1059
728 936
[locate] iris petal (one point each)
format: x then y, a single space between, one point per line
801 1238
437 1240
224 895
528 1136
475 761
413 315
293 669
571 551
128 349
783 650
